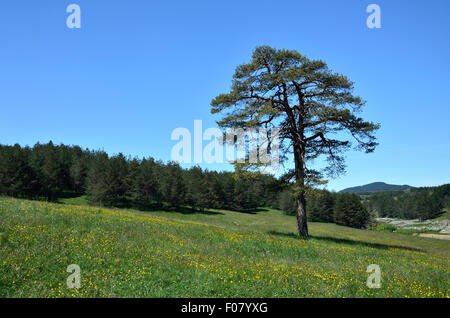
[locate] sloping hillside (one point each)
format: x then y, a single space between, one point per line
213 254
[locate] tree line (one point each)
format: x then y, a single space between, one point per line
416 203
329 207
48 172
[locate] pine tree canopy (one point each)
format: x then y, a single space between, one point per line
311 104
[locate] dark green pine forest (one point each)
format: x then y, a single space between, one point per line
415 203
50 172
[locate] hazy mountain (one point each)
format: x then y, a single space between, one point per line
377 186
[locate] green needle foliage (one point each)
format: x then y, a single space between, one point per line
309 103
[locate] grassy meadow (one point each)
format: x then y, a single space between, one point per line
125 253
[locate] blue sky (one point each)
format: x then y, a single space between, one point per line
136 70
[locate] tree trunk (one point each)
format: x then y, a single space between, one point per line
301 215
300 193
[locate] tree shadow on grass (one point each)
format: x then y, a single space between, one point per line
250 211
347 241
188 210
69 195
151 207
181 209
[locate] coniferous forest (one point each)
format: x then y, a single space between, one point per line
416 203
49 172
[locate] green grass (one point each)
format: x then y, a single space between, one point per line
211 254
82 200
444 216
415 232
390 228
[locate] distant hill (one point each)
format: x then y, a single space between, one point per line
376 186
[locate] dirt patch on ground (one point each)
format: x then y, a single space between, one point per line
436 236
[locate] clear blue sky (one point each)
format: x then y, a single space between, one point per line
136 70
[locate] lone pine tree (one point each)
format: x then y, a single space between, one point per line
310 105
